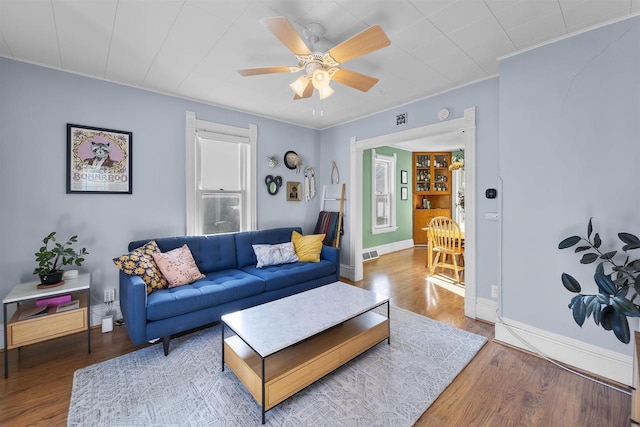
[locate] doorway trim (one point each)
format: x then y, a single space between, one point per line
465 125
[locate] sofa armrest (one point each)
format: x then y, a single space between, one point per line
133 304
332 254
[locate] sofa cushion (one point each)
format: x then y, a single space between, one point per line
245 241
214 289
140 262
308 247
211 253
285 275
178 266
282 253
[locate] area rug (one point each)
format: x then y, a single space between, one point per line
390 385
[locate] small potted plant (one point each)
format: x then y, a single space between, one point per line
50 260
618 289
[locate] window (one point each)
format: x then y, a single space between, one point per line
220 175
383 200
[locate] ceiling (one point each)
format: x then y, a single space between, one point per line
192 48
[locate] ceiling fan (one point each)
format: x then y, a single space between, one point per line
320 68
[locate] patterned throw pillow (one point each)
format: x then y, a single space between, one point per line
178 266
308 247
140 262
282 253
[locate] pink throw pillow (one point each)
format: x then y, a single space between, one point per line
178 266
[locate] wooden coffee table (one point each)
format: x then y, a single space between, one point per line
283 346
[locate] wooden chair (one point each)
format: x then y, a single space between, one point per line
446 239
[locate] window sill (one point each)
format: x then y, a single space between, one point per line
384 230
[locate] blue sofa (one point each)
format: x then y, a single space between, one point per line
232 282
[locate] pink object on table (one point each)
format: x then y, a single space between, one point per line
60 299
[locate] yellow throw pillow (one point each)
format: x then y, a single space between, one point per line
307 248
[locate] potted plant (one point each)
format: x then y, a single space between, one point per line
51 259
618 288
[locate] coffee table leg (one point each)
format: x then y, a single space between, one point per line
263 418
222 346
6 352
389 322
88 320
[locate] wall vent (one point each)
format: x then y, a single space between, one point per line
401 119
369 255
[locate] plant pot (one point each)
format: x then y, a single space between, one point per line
51 278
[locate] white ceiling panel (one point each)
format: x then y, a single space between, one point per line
149 26
483 40
459 14
414 36
193 34
458 67
34 37
390 15
193 48
338 22
84 27
580 14
4 48
512 14
538 30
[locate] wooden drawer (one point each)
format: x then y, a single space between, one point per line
53 325
294 368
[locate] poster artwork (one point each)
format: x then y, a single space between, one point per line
99 160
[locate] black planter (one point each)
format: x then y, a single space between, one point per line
51 278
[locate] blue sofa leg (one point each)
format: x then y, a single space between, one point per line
165 344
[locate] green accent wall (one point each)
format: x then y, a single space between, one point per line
404 213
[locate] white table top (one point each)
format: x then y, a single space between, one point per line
26 291
278 324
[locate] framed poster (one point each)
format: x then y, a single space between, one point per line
404 193
98 160
404 177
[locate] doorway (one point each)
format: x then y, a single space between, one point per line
465 125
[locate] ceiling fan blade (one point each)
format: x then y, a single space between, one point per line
284 31
355 80
267 70
369 40
308 91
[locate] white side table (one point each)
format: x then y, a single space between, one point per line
18 333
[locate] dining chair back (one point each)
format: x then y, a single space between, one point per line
446 240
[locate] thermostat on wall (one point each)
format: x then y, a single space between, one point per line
491 193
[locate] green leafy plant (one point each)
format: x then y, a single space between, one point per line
51 259
618 288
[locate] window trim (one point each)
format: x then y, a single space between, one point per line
392 160
212 130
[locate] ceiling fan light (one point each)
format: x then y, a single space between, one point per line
321 79
299 85
325 92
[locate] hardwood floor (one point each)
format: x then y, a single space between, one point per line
500 387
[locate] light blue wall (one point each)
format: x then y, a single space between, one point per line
569 150
36 104
483 96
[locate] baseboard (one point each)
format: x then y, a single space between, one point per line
586 357
348 272
391 247
486 309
